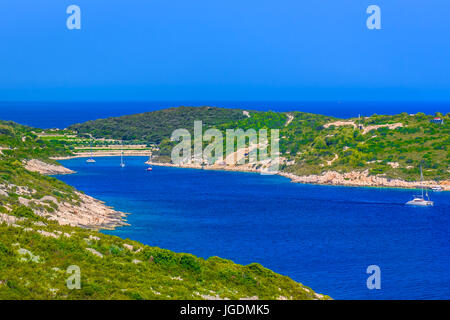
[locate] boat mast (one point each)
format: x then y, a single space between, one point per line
421 180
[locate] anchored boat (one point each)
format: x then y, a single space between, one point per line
91 159
421 200
149 163
122 163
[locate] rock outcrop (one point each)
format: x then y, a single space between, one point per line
46 168
361 179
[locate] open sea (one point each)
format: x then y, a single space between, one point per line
322 236
62 114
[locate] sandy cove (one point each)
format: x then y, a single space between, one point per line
354 178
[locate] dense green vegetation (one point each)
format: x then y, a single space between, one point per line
394 153
310 141
36 252
19 143
124 272
155 126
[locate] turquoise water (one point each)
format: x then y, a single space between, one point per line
322 236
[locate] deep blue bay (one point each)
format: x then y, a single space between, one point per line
322 236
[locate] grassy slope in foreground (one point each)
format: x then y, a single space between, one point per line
35 252
124 269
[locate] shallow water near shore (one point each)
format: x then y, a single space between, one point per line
322 236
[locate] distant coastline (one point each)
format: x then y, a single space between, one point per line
331 178
104 154
35 113
375 151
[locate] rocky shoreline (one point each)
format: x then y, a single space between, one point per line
41 167
88 212
354 178
362 179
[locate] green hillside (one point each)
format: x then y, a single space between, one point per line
391 146
153 127
370 144
394 153
17 144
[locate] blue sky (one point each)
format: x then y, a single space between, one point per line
284 50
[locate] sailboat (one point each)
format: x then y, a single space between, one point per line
420 200
91 159
122 163
149 163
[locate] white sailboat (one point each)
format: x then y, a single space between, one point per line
122 163
149 163
91 159
420 200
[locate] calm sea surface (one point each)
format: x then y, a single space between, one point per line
322 236
61 115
